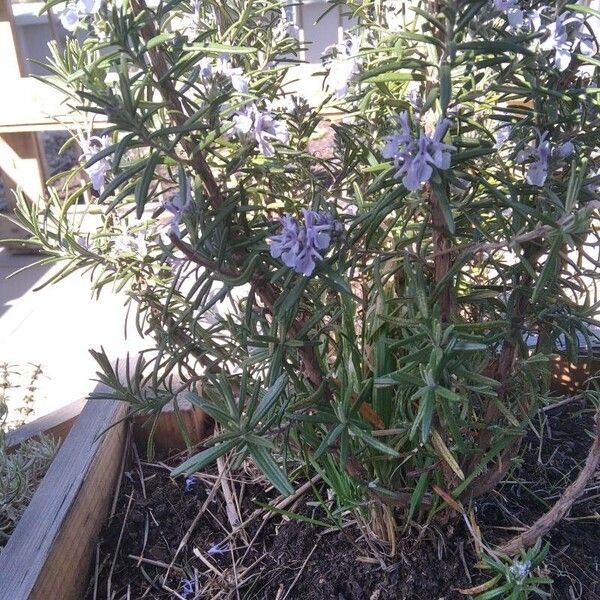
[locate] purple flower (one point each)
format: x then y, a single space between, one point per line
190 483
262 125
414 158
594 186
568 33
583 38
98 169
217 549
502 135
125 243
188 589
69 17
541 152
565 150
73 12
513 12
300 246
177 207
239 82
558 41
205 68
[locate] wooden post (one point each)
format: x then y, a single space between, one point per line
21 158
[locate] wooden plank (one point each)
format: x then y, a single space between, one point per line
21 158
167 435
56 424
34 105
11 65
48 554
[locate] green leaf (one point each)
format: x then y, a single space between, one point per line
204 458
143 185
268 400
445 86
373 442
329 439
159 39
549 270
418 493
267 464
220 49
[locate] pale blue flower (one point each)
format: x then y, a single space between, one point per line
126 243
300 246
176 208
582 36
190 483
98 169
520 570
69 17
565 150
414 159
218 549
502 135
73 12
542 152
262 125
558 41
537 171
594 186
239 82
205 68
188 589
513 12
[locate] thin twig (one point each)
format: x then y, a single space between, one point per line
563 504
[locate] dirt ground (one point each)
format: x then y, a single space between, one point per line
286 558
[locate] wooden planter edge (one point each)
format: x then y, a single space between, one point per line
49 553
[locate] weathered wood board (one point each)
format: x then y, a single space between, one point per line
48 555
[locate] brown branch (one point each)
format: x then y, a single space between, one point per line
192 255
443 260
171 97
563 505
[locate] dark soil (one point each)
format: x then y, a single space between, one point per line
547 468
321 564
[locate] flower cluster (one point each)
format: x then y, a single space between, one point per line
414 158
99 168
262 125
300 245
126 243
74 11
519 570
344 66
563 44
513 12
541 153
207 69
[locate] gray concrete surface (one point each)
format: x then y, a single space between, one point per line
55 327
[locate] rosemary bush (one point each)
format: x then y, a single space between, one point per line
385 317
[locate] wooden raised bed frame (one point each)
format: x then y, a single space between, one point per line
49 553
